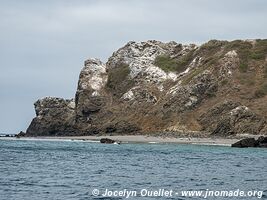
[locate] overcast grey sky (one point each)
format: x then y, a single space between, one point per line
43 43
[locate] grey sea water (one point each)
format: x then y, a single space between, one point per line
71 170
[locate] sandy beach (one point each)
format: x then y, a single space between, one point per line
138 139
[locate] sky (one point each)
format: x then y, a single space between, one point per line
43 44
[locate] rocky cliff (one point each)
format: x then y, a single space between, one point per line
218 88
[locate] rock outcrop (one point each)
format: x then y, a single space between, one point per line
230 118
91 98
54 116
251 142
217 88
108 141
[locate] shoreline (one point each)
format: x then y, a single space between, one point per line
124 139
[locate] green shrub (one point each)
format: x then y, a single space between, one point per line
256 55
168 64
243 49
213 44
260 50
118 80
246 51
238 45
165 63
211 48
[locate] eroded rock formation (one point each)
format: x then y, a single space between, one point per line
219 88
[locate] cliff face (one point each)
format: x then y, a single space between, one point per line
218 88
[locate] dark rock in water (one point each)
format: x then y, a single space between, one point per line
107 141
21 134
262 141
248 142
251 142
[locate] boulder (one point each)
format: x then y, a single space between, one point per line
248 142
262 141
20 134
108 141
251 142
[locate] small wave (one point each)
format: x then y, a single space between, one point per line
85 140
210 144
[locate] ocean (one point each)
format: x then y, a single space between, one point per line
38 170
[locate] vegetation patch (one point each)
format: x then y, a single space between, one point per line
118 80
248 52
260 50
168 64
165 63
211 48
243 49
213 44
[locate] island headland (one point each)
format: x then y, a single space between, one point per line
217 89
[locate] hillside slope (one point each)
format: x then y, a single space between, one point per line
218 88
